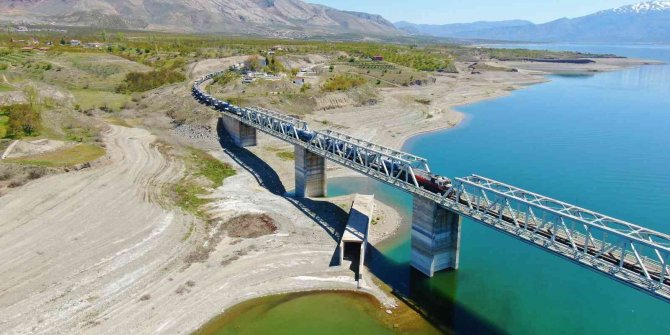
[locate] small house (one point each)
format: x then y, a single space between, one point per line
378 58
75 43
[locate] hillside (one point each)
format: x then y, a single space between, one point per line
647 22
262 17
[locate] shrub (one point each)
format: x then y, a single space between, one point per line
144 81
342 82
275 66
226 78
252 63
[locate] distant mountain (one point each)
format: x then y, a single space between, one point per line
647 22
264 17
455 29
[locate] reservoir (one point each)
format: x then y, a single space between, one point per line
599 141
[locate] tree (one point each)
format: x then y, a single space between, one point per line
24 120
31 95
62 41
252 63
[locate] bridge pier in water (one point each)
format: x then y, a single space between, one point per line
436 237
242 134
310 174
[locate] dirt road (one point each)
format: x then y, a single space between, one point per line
70 243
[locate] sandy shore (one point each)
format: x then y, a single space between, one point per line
95 252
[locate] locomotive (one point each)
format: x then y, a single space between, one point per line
426 180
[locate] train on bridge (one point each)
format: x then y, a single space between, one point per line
429 181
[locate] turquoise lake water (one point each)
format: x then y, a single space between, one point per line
601 142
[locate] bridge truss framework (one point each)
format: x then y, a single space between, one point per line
628 253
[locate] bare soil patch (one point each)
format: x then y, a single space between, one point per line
250 226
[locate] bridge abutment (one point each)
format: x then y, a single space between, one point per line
242 134
310 174
436 237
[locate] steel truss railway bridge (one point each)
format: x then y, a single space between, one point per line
628 253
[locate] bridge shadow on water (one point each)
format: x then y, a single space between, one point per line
431 298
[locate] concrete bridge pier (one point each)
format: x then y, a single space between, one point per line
436 237
310 174
242 134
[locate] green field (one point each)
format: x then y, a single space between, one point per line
13 58
63 158
95 99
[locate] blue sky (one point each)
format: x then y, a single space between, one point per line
454 11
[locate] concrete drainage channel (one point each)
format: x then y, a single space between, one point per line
8 150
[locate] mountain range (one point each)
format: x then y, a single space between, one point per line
647 22
262 17
456 29
643 22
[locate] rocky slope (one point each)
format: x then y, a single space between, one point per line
263 17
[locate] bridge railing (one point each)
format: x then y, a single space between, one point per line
630 253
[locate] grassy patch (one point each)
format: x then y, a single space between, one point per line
145 81
342 82
63 158
188 193
6 88
188 233
4 122
84 71
211 168
100 99
423 101
286 155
